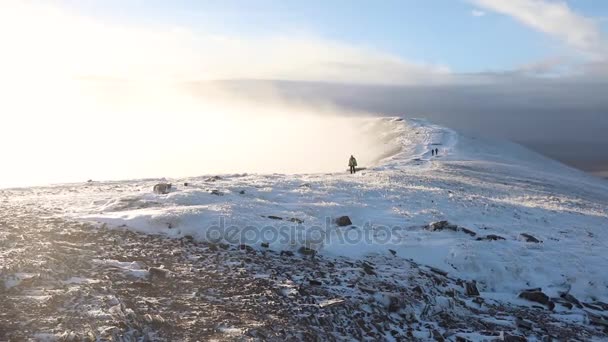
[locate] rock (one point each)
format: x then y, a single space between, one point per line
571 299
265 244
162 188
514 338
246 248
286 253
306 251
315 282
242 192
438 271
538 297
441 225
529 238
490 237
158 273
467 231
462 339
213 179
521 323
393 252
393 303
296 220
274 217
368 269
343 221
216 192
597 320
471 288
186 184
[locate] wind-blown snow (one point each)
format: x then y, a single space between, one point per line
486 187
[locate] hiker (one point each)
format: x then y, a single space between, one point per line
432 152
352 163
436 151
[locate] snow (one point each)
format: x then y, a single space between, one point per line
485 186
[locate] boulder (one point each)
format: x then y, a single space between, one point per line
272 217
343 221
490 237
471 288
162 188
265 245
296 220
441 225
216 192
538 297
514 338
286 253
529 238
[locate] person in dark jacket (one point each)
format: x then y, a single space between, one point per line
432 152
436 151
352 163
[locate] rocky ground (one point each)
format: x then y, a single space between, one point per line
68 281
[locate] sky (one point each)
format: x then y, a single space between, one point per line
460 35
113 89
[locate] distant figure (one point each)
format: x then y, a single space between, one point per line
162 188
352 163
436 151
432 152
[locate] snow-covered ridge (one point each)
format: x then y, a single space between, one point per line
489 188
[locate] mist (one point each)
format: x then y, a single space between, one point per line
110 130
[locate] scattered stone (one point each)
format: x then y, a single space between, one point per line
265 245
186 184
286 253
296 220
307 251
246 248
571 299
471 288
529 238
538 297
462 339
393 252
158 273
441 225
490 237
368 269
467 231
438 271
331 303
514 338
343 221
597 320
272 217
216 192
162 188
305 185
521 323
213 179
315 282
242 192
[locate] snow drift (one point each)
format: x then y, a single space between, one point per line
495 194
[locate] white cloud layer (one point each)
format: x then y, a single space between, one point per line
47 41
554 18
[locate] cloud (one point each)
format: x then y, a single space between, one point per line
46 41
555 19
477 13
